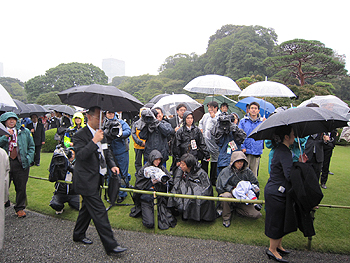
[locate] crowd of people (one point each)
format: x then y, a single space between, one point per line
90 146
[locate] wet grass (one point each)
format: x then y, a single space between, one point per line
331 224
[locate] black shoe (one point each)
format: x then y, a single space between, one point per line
226 223
271 255
37 164
283 252
84 240
7 204
324 186
120 199
116 250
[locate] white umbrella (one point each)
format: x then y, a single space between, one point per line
6 102
213 84
169 102
267 89
329 102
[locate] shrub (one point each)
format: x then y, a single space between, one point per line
50 143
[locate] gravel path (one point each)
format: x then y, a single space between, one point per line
41 238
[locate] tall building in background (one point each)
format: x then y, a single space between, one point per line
113 68
1 69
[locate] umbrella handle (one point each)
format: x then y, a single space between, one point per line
100 122
301 152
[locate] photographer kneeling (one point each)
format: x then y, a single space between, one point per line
117 133
61 168
153 177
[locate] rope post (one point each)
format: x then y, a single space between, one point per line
155 212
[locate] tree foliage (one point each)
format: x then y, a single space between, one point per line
49 98
306 59
15 88
64 76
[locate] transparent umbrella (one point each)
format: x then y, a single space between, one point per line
213 84
329 102
6 102
267 89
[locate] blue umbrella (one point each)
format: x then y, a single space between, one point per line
266 108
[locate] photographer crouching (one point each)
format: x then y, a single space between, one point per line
117 133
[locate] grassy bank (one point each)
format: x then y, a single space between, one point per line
331 224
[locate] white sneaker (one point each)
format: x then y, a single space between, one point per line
59 212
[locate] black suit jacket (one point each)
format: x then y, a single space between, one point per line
314 145
39 133
87 178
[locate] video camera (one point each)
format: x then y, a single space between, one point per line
147 116
112 129
225 121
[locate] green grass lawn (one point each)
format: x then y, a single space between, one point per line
331 224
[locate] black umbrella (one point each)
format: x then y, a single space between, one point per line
62 108
304 120
21 108
34 109
3 130
113 189
106 97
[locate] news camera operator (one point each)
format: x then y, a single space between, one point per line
117 133
61 169
155 130
228 137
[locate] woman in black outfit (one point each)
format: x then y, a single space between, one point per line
275 195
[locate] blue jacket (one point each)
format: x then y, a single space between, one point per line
25 141
121 144
252 146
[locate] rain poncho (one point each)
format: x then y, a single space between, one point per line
194 183
207 124
144 204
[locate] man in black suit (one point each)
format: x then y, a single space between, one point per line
38 131
92 154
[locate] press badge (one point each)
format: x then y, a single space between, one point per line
104 146
68 177
233 145
14 144
193 145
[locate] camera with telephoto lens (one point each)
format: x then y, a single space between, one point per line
112 129
156 173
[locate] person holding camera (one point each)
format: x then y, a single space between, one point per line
61 168
156 132
117 132
139 144
228 138
38 132
228 180
153 177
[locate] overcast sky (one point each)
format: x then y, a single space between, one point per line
39 35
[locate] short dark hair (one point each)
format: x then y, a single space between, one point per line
159 108
189 160
213 104
312 105
224 104
180 106
280 132
92 110
254 103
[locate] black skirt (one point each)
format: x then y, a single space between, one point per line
275 207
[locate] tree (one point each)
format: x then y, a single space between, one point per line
50 98
15 88
306 59
64 76
239 51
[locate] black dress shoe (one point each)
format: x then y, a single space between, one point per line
116 250
7 204
85 241
120 199
283 252
271 255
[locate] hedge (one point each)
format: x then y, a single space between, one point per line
50 143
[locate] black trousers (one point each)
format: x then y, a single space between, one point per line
327 151
213 170
138 159
19 176
93 208
37 154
